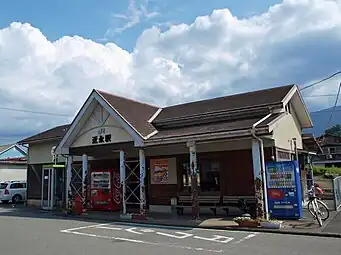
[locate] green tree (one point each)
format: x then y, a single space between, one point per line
334 130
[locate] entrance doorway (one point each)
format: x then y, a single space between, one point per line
52 190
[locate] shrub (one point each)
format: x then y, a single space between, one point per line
327 172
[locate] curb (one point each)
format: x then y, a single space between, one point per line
260 230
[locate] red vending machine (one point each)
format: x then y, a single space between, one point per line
104 190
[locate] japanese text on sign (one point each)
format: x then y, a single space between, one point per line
101 137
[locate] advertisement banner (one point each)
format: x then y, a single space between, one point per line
159 171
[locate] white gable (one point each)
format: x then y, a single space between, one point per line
101 128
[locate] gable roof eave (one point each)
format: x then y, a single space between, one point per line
295 91
94 95
120 115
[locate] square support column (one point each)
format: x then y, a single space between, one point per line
68 182
142 186
258 180
84 175
123 181
194 179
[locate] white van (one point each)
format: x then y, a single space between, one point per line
14 191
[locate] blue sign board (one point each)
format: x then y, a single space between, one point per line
284 190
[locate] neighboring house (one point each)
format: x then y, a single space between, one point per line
329 154
227 138
13 162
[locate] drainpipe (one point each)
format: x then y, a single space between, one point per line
261 145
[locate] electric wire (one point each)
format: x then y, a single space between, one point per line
320 81
34 112
332 112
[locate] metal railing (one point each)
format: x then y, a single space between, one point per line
337 192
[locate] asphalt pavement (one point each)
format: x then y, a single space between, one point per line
33 233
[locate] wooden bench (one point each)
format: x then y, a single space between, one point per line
244 203
211 202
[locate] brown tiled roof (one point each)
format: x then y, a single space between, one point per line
136 113
214 127
4 147
53 133
245 100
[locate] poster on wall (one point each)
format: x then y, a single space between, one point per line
159 171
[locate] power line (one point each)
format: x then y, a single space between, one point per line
320 81
67 115
35 112
335 104
326 95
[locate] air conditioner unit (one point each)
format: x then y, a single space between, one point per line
329 156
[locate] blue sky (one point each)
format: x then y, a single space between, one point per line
92 19
236 46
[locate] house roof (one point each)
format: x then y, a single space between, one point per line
310 143
53 133
135 113
5 147
143 117
238 101
208 128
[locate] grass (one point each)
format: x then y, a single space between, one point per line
327 172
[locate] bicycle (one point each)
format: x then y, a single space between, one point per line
315 205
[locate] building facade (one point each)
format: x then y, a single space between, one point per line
13 159
208 151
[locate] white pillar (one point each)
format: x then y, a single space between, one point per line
194 179
259 179
123 180
193 158
257 168
84 174
142 186
68 180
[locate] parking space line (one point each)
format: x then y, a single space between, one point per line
245 238
142 242
146 225
110 228
84 227
182 235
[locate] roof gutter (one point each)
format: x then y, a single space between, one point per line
261 147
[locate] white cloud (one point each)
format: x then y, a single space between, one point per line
293 42
137 12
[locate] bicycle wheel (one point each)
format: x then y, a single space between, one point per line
318 218
321 208
311 208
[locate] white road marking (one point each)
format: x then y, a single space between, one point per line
132 230
111 228
216 238
142 242
145 225
183 235
84 227
246 238
148 230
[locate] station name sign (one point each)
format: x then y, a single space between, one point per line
101 137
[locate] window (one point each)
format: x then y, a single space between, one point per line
18 186
332 150
3 185
208 176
